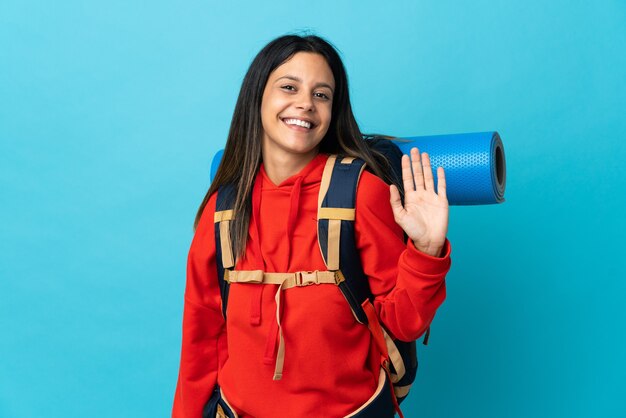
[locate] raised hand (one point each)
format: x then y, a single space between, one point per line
424 216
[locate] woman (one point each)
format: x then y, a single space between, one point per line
311 358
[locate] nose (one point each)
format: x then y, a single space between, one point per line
305 101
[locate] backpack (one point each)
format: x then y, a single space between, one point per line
336 214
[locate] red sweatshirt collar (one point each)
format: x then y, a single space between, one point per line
308 174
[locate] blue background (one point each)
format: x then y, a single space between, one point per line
110 113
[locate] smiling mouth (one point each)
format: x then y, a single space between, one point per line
298 124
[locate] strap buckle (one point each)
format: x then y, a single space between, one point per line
339 277
306 278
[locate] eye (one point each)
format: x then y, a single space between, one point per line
288 87
322 95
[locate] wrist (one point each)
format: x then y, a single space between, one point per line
433 250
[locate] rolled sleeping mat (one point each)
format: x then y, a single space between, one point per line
474 164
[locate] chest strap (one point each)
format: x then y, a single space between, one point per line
285 281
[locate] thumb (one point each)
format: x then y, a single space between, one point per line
394 199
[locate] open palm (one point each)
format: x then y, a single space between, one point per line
424 216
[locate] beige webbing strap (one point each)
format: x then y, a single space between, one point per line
347 160
227 249
280 354
223 217
286 280
395 357
334 237
328 172
343 214
401 391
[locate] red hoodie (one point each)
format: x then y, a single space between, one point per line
331 366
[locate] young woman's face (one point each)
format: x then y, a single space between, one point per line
296 108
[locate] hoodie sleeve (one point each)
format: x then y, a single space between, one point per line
204 334
408 285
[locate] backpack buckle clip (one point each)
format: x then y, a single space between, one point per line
306 278
339 277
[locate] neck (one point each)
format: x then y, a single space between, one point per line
279 167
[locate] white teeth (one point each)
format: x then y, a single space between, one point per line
298 122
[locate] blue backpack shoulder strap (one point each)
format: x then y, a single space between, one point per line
337 199
336 216
223 244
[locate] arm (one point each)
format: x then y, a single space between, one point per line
408 284
204 336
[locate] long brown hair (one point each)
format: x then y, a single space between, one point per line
242 153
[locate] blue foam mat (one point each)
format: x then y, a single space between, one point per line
474 164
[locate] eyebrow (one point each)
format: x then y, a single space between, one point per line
294 78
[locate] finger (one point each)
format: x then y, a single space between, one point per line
394 199
441 183
407 176
417 169
429 182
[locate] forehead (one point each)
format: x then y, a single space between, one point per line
305 66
